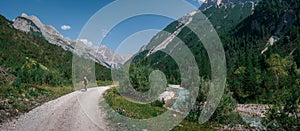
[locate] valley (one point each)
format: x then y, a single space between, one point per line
39 89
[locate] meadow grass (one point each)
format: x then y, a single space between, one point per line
144 111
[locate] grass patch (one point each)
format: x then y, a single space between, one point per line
17 100
145 111
79 85
104 83
56 92
193 126
130 109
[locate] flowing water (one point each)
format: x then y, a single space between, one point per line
181 95
252 120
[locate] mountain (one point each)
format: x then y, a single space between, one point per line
260 40
224 17
111 57
225 14
33 25
282 18
101 55
32 59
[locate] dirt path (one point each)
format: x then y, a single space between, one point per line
76 111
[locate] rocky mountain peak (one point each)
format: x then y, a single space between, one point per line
101 55
33 18
34 25
111 56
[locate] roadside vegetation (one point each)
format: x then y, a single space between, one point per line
130 109
17 100
104 82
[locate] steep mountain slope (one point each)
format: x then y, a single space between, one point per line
20 51
101 55
225 14
281 23
263 51
33 25
223 17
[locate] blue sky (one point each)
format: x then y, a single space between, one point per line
76 13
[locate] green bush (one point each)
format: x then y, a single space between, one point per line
224 113
130 109
192 117
139 77
283 114
34 73
158 103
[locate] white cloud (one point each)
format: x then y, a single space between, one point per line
65 27
86 42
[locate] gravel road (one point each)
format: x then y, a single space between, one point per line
76 111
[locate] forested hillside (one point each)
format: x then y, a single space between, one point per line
263 51
20 51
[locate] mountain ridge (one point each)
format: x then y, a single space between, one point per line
101 55
223 3
21 52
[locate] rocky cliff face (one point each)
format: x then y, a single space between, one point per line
102 54
34 25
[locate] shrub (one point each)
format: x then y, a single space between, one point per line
224 113
283 115
158 103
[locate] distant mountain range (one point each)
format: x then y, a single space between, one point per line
101 55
